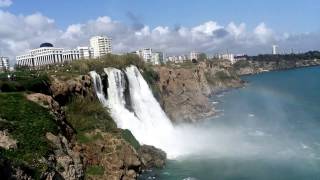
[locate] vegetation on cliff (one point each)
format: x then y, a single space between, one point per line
28 123
25 81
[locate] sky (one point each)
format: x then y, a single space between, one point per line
173 26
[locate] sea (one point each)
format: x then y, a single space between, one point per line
268 130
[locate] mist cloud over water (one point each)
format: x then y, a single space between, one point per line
257 122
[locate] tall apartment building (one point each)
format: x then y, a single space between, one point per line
274 49
4 63
101 46
46 55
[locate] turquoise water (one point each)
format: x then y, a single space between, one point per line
267 130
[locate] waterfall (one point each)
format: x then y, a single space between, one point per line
148 122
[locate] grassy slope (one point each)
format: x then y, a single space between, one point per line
28 123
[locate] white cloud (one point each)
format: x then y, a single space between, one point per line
19 33
237 31
263 33
5 3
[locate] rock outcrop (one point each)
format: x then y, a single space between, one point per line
185 91
64 161
63 90
117 158
6 141
53 106
152 157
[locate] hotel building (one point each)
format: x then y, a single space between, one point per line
46 55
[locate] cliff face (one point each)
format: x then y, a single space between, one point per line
73 149
185 91
254 67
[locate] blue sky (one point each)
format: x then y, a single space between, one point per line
174 26
284 15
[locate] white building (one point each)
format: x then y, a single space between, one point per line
274 49
4 63
101 46
85 52
177 59
157 58
227 56
194 55
46 55
145 54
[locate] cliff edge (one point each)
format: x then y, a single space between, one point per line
185 89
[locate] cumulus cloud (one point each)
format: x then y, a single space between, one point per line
19 33
5 3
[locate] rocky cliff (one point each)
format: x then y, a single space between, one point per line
82 142
185 89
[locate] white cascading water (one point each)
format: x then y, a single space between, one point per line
148 123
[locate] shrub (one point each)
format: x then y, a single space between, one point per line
127 136
86 114
95 170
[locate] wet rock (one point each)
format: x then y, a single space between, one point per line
152 157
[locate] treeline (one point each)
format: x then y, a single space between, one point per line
287 57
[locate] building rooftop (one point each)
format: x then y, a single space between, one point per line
46 45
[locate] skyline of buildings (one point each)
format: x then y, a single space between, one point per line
47 54
102 45
147 55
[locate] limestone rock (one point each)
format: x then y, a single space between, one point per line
152 157
6 141
66 161
114 154
185 91
59 115
63 90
